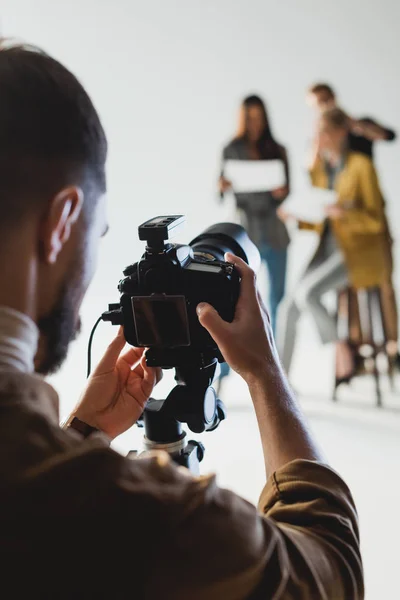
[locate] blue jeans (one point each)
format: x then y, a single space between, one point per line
275 262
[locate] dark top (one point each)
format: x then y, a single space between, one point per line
257 210
79 521
359 143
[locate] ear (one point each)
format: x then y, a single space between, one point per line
62 212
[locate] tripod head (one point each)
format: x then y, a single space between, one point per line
193 401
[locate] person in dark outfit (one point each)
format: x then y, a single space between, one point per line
257 211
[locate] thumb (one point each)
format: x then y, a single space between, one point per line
111 355
210 320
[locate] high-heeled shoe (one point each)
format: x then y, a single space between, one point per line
358 368
343 380
396 361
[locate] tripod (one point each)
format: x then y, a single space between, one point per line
192 401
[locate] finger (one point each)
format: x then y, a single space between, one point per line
247 275
132 356
110 357
210 320
159 374
263 307
141 367
157 370
152 375
248 296
137 368
130 361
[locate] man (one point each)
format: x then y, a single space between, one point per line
78 520
362 132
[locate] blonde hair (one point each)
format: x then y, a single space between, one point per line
336 118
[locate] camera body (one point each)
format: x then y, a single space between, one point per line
160 293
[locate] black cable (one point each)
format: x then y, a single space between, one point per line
89 351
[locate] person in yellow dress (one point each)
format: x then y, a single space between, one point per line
353 241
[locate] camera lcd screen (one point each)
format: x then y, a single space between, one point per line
161 321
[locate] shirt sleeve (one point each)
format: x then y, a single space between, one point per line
287 167
369 216
390 134
224 158
303 543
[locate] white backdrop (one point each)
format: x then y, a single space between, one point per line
167 78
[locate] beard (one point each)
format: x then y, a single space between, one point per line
57 330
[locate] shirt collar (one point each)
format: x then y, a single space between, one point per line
19 338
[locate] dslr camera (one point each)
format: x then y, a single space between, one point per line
159 293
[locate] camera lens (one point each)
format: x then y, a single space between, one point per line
218 239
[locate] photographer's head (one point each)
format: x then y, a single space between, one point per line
52 195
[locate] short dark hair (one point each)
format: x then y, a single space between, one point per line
336 117
322 88
50 133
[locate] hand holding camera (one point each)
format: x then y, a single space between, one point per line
247 343
118 389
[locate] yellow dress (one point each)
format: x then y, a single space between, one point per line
362 232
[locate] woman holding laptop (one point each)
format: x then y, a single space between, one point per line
257 209
352 248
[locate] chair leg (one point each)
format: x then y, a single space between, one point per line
377 382
391 371
377 337
334 395
342 328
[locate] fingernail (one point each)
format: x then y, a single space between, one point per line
200 307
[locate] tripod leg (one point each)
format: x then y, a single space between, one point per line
377 337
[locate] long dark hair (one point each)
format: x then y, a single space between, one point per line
267 145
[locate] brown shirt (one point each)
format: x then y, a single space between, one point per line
78 520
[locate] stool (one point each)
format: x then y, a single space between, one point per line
365 305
